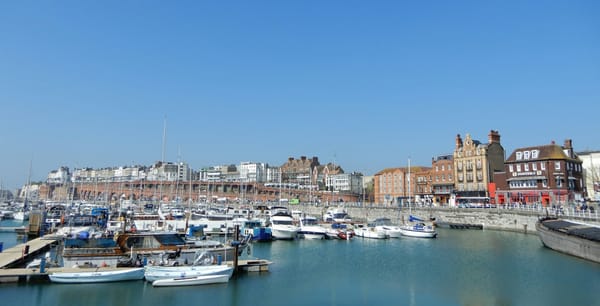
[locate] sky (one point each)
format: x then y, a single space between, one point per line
367 85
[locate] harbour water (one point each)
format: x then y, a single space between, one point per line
460 267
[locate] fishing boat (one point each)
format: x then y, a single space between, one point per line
417 228
97 276
570 237
191 281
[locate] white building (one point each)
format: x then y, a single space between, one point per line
252 172
347 182
591 173
60 176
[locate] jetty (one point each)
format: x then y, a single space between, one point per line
25 252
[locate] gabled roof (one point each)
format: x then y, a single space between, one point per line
545 152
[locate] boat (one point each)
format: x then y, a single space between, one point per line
336 214
191 281
417 228
132 249
385 225
310 229
282 226
340 231
97 276
365 231
153 273
570 237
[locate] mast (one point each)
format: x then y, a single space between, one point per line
409 183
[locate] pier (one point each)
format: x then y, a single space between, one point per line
24 252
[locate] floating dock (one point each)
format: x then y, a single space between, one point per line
25 252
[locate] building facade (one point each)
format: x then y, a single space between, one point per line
442 168
396 186
475 164
591 174
541 174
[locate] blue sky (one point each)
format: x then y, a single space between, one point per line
364 84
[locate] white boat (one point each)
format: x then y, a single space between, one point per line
417 228
191 281
282 227
310 229
362 230
154 273
336 214
98 276
385 225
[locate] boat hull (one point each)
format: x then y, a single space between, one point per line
97 276
191 281
154 273
561 240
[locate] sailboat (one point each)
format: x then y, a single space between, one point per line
416 226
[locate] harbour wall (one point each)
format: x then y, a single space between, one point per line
488 218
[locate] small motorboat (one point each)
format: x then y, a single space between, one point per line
97 276
191 281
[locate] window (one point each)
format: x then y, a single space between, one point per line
542 166
526 154
442 167
526 167
519 155
510 168
534 166
535 153
544 183
518 167
557 165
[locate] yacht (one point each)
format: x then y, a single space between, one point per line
310 229
282 226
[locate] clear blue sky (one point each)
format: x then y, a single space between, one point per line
364 84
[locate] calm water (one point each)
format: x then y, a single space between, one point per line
458 268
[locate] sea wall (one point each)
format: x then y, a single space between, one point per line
488 218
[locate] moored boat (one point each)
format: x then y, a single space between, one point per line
97 276
191 281
417 228
570 237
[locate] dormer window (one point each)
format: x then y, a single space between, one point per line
519 155
535 153
526 154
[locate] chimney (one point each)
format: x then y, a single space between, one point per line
290 159
459 142
493 137
303 158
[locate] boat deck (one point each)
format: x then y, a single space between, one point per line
575 229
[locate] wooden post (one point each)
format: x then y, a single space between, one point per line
236 236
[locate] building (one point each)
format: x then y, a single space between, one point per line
541 174
442 172
345 182
299 171
591 174
59 177
475 164
393 186
252 172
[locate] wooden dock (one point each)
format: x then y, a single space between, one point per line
13 275
24 252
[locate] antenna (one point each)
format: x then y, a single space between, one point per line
164 140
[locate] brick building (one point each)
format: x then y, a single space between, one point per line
541 174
